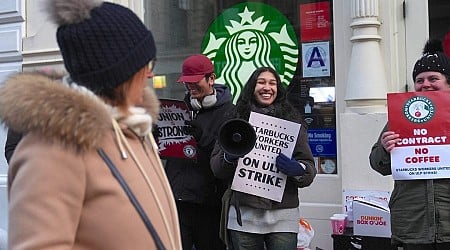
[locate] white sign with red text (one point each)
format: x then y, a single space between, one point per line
422 120
349 195
371 218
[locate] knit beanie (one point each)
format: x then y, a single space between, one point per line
433 59
102 44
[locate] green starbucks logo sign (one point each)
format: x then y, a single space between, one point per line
248 36
419 109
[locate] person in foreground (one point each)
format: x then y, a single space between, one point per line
85 133
420 214
13 138
254 222
197 192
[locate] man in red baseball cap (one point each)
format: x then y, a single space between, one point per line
197 192
198 78
195 67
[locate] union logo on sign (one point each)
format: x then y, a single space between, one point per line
189 151
419 109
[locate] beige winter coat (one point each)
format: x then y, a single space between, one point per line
61 193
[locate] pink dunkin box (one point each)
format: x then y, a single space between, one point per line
371 218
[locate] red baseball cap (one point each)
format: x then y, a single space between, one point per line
195 68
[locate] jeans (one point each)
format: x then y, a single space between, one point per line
199 226
272 241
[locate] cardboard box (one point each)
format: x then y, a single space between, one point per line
348 195
371 218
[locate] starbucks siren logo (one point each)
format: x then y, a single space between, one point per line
419 109
248 36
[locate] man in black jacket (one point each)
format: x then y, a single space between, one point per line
197 192
11 143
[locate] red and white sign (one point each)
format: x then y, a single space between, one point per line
315 22
422 120
172 139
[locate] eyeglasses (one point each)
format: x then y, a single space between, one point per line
151 65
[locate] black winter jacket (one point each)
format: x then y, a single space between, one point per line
420 209
11 143
193 181
302 153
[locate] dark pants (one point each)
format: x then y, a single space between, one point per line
434 246
199 226
271 241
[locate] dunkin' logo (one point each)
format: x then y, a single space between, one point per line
371 220
248 36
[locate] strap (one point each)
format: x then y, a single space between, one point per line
237 207
134 201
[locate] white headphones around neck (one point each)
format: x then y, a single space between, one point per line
207 102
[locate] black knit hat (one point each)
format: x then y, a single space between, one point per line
103 44
433 59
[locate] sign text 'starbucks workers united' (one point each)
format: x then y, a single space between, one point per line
247 36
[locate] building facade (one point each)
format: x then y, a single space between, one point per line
338 59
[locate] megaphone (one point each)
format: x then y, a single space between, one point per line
236 137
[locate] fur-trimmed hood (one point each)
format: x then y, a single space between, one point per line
33 102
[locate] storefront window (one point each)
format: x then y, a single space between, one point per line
294 37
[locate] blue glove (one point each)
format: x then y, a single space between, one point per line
230 158
289 167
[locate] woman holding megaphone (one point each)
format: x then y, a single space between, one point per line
254 222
